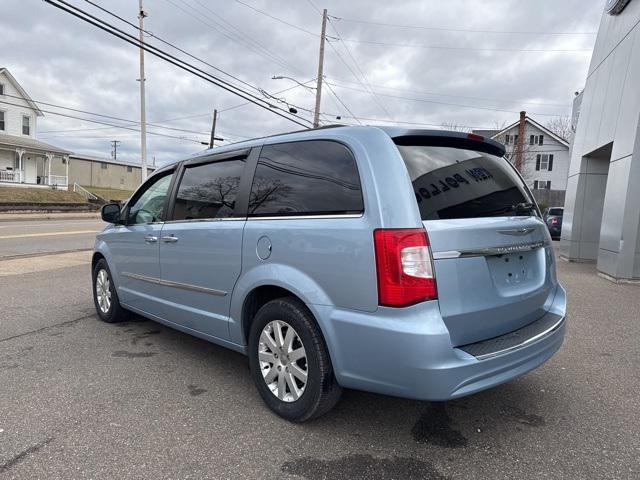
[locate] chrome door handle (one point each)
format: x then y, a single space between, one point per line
150 239
170 239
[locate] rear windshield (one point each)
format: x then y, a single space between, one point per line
454 183
556 211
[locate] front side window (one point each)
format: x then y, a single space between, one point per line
26 125
208 191
317 177
452 183
149 204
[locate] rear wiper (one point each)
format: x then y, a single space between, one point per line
523 208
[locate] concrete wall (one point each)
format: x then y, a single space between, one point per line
602 210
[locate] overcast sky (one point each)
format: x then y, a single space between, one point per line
475 77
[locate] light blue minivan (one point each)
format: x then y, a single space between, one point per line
405 262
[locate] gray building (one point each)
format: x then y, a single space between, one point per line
90 171
602 209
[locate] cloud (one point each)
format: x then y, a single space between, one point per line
61 60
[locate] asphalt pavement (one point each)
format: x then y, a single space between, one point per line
83 399
32 237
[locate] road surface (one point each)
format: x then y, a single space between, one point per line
83 399
44 236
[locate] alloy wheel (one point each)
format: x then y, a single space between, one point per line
103 291
283 360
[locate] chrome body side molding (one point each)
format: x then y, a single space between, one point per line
168 283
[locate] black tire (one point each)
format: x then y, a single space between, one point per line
115 313
321 392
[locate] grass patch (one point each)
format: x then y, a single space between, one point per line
17 195
110 193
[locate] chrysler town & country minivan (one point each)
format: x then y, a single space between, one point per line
412 263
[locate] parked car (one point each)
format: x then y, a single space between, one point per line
411 263
553 218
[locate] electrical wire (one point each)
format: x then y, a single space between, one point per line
105 26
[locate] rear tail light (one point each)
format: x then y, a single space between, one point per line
404 267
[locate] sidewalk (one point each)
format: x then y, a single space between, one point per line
20 217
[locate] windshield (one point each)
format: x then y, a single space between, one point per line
556 211
454 183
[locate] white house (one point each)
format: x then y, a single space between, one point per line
23 159
544 162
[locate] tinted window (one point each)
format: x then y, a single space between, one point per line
305 178
556 211
208 191
455 183
149 204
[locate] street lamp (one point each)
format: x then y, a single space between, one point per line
282 77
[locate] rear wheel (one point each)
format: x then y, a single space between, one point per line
105 297
290 363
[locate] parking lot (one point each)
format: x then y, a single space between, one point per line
84 399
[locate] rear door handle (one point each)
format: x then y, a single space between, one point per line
150 239
170 239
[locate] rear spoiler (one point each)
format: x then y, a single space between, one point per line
444 138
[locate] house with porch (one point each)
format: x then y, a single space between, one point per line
24 160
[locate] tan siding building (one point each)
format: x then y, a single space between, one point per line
89 171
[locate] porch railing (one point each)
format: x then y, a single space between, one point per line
84 192
57 180
9 176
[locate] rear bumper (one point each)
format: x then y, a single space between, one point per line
408 352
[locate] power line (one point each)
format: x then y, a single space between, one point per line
502 100
106 116
103 25
103 123
461 105
230 35
297 27
342 103
465 30
476 49
366 84
151 34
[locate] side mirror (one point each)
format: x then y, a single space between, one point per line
111 213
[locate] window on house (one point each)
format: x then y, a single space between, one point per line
544 162
506 139
103 165
542 185
129 169
1 89
541 140
26 125
2 125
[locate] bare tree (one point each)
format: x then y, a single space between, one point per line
561 126
455 127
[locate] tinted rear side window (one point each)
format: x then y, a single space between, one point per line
208 191
305 178
455 183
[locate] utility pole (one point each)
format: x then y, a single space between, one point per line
114 150
143 113
213 128
316 113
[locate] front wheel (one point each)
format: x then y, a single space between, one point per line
290 363
105 296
